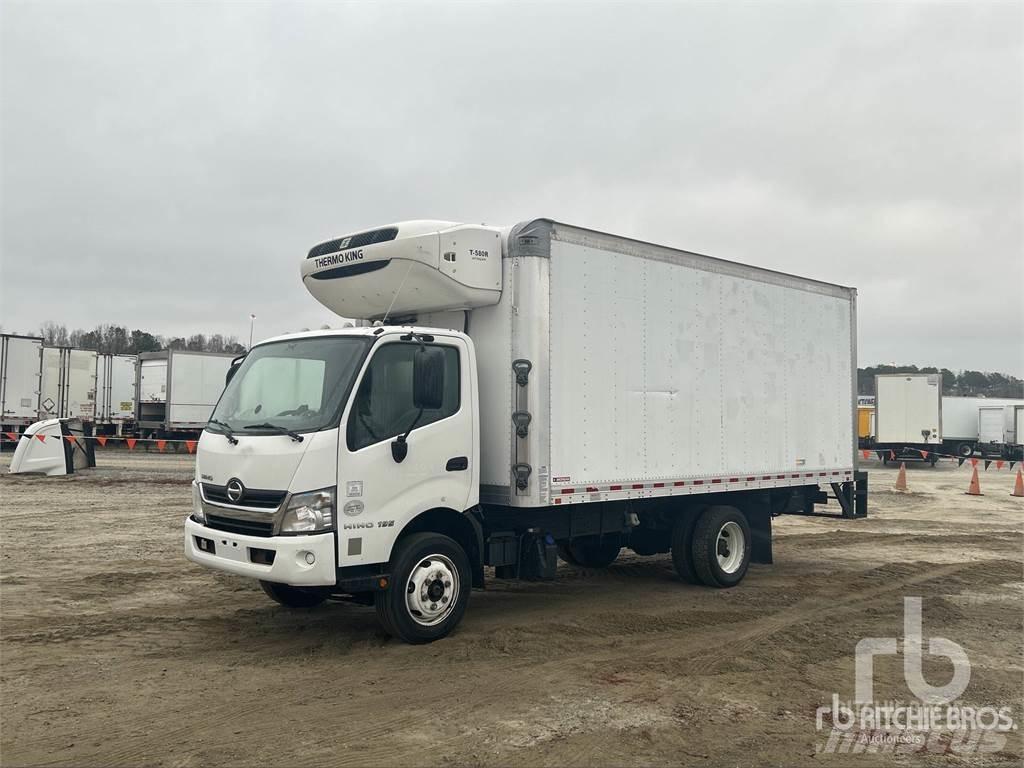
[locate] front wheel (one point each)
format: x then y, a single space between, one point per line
430 585
966 450
721 547
294 597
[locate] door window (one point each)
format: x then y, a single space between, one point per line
383 407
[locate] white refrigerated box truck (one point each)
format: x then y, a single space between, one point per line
177 390
533 391
68 384
21 359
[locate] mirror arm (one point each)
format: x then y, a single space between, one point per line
400 448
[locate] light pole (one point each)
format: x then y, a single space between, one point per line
252 322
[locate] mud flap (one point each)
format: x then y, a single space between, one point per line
759 518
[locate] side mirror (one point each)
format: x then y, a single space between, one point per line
235 365
428 379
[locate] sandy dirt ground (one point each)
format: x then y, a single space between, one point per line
114 650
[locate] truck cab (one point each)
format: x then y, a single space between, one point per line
325 447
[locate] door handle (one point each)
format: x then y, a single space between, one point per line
457 464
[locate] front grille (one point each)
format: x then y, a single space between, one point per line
372 237
245 527
251 497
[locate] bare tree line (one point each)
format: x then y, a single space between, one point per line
118 340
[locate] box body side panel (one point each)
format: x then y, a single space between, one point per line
663 368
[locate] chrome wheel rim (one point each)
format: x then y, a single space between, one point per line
432 590
730 547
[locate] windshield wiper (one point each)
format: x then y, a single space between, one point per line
227 431
283 430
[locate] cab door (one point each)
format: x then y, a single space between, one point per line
379 495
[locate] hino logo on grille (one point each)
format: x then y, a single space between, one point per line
235 489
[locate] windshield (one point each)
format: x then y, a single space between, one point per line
296 385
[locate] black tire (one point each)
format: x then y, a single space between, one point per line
712 534
565 555
594 551
428 551
294 597
682 549
965 450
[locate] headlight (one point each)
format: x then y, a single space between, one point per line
197 504
311 512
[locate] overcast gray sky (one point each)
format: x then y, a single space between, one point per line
166 166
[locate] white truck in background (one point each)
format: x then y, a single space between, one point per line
533 391
177 390
961 422
21 360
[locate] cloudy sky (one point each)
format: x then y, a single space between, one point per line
167 166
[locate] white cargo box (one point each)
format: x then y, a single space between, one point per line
20 371
908 409
641 370
178 389
68 389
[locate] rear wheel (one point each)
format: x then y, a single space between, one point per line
592 552
294 597
965 450
430 585
721 547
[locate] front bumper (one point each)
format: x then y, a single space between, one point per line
233 553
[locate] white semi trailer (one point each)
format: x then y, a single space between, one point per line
68 384
115 392
177 390
533 391
908 415
21 359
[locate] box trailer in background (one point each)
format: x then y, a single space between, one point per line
21 359
115 392
177 390
908 413
68 389
960 421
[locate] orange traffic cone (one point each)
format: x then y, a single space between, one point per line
975 487
1018 488
901 478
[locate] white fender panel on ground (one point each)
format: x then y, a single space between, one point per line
43 449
